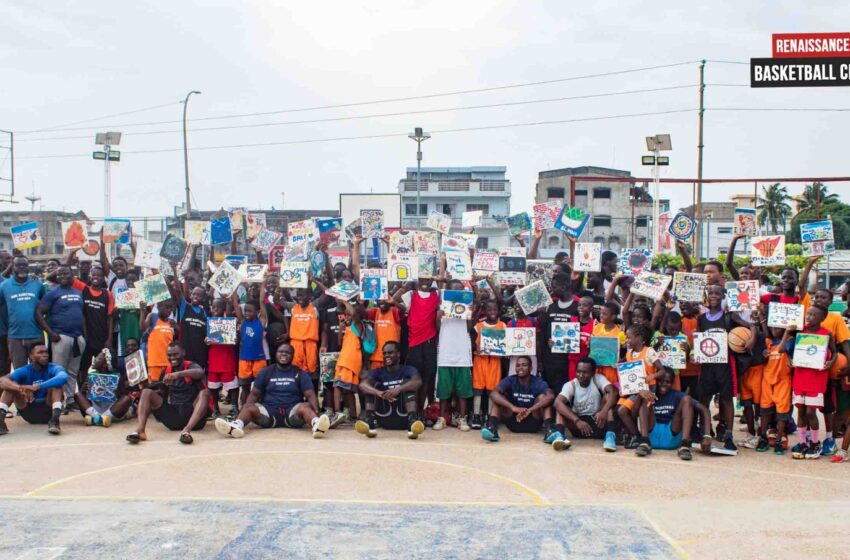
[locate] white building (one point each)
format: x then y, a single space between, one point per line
455 190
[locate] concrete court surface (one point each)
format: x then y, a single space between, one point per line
448 495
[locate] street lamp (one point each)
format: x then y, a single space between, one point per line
108 155
186 153
656 144
418 136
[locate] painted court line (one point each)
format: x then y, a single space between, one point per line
42 553
674 544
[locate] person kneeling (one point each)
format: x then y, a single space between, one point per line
180 400
390 394
282 397
666 419
105 394
523 401
584 407
36 390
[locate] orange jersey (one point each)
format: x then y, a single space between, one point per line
304 324
387 329
350 355
161 335
689 327
648 365
778 366
610 372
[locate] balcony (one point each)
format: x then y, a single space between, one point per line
459 186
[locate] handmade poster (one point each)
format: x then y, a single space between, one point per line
225 279
165 269
327 366
276 255
402 268
318 263
338 256
470 238
767 250
439 222
130 298
783 315
197 232
471 219
818 238
293 274
296 252
810 350
236 217
402 243
26 236
742 295
221 231
74 234
373 223
373 284
689 286
253 273
426 242
588 257
650 284
682 226
115 230
91 250
485 262
545 214
511 270
516 341
456 304
538 269
330 230
173 248
102 387
343 290
634 261
147 253
566 338
711 347
533 297
255 223
354 229
427 265
154 289
236 260
632 376
137 371
745 222
518 223
673 352
221 330
454 243
605 350
459 266
265 240
572 221
300 231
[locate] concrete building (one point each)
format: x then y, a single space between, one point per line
455 190
621 211
716 227
49 225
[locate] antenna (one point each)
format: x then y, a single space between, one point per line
32 198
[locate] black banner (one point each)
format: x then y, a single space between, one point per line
799 72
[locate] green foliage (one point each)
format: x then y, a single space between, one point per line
840 214
773 207
664 260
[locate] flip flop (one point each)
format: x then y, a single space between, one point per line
136 437
186 438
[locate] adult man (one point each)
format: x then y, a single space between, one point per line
20 295
522 401
282 397
64 305
584 407
5 272
36 390
180 400
98 311
390 395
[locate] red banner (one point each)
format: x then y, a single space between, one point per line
811 45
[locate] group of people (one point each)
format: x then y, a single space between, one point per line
402 364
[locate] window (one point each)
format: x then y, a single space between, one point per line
599 239
447 209
482 243
642 221
553 242
602 221
724 230
410 210
602 192
581 192
554 192
485 209
614 244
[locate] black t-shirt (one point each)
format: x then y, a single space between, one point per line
193 331
96 313
183 390
555 313
331 317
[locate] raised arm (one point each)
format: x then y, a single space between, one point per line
804 277
532 253
730 257
355 256
686 256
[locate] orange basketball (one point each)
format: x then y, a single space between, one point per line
738 339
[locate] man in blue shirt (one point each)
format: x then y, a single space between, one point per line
282 397
36 391
523 401
20 295
5 270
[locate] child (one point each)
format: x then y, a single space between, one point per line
454 366
161 331
671 327
638 349
586 326
689 377
304 332
101 409
349 365
835 399
486 370
221 367
751 363
253 351
809 387
608 327
387 323
775 398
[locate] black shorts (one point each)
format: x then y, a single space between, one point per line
36 413
716 379
598 432
690 384
392 416
829 396
280 417
176 416
530 425
424 358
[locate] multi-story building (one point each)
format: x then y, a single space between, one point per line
621 211
455 190
717 225
49 226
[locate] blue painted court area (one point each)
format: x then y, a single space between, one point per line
104 529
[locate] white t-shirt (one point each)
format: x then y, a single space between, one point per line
585 401
454 348
407 296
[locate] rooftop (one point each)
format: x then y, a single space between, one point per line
591 170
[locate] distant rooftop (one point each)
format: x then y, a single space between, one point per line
474 169
585 170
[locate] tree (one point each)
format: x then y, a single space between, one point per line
774 207
815 195
837 211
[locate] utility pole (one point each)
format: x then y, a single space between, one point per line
186 154
698 210
11 178
418 136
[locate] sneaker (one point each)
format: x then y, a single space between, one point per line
771 437
477 422
750 442
784 443
561 443
88 420
415 427
814 451
53 426
839 457
3 428
551 435
367 427
439 424
490 433
720 432
729 442
462 424
321 425
798 451
338 418
610 442
631 442
106 421
233 414
454 420
829 447
643 449
230 429
763 445
778 448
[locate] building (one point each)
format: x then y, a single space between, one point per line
455 190
717 225
621 211
49 226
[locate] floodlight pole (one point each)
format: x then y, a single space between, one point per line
186 153
107 187
698 196
655 176
418 136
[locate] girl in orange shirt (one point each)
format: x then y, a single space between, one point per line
607 327
349 365
638 349
387 323
304 333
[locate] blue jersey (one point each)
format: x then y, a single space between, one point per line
21 300
51 376
282 387
252 337
521 395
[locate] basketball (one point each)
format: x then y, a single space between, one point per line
738 339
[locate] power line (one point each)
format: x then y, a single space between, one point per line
373 136
380 115
57 129
407 98
781 109
746 63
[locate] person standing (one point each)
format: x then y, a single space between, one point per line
98 307
19 296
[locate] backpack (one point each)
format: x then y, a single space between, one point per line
369 342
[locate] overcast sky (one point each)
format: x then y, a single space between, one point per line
66 62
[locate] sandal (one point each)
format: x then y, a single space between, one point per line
136 437
186 438
685 454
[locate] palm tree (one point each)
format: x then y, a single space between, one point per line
814 192
774 207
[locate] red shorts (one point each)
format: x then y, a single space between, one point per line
221 379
